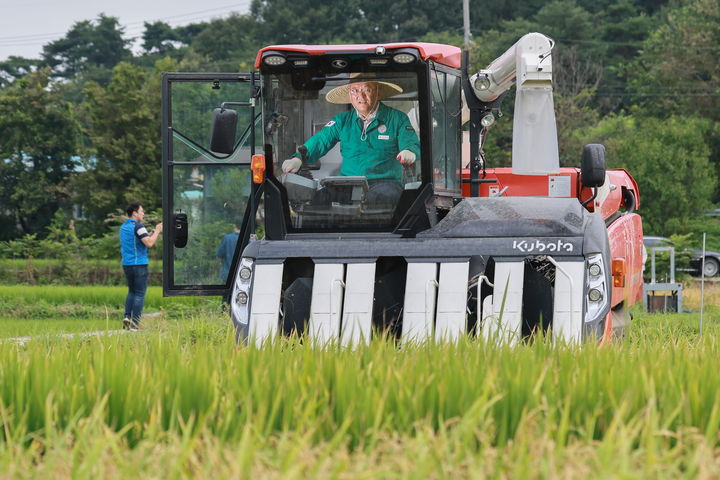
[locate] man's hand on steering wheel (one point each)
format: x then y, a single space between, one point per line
406 157
291 165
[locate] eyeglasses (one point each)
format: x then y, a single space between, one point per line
357 91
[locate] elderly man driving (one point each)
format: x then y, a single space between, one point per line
375 140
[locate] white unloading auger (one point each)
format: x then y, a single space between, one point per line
528 64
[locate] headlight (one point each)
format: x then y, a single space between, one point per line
596 287
487 120
274 60
404 58
241 298
241 291
245 273
482 81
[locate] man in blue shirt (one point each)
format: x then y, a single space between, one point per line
134 243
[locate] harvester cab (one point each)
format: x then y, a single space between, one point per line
373 216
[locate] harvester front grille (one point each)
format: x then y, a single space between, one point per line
415 301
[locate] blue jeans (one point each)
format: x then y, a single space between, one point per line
137 280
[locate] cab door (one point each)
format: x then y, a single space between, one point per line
209 200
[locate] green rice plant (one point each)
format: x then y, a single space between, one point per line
70 271
617 407
53 325
86 295
41 310
49 301
574 391
182 398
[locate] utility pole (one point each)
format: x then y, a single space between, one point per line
466 24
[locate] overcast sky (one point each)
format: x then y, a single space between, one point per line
27 25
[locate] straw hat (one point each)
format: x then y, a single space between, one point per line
341 94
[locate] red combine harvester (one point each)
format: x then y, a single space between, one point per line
375 216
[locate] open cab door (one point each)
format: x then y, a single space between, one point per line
209 199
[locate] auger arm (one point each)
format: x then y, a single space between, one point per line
528 64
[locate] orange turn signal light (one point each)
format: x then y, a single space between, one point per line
618 272
257 166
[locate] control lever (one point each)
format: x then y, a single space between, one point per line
305 168
302 150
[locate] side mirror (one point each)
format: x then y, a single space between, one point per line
180 229
592 169
222 139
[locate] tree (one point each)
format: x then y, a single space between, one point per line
228 44
16 67
88 46
123 163
677 68
669 158
38 138
159 37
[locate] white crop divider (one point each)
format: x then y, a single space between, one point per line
326 303
451 320
567 307
358 307
419 305
264 317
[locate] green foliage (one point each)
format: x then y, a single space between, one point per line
16 67
75 260
708 225
669 158
123 123
228 44
88 45
683 255
611 56
677 71
39 138
677 67
53 271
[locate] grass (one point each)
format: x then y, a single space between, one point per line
36 310
103 296
180 400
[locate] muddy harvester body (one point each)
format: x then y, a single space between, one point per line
462 249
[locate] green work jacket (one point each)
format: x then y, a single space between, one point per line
373 157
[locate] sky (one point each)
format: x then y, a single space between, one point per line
27 25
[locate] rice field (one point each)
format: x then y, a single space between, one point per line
181 400
45 310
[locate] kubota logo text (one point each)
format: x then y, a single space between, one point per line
525 246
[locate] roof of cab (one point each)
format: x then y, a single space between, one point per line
444 54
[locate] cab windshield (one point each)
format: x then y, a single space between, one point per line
345 147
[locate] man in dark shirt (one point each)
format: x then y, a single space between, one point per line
226 251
